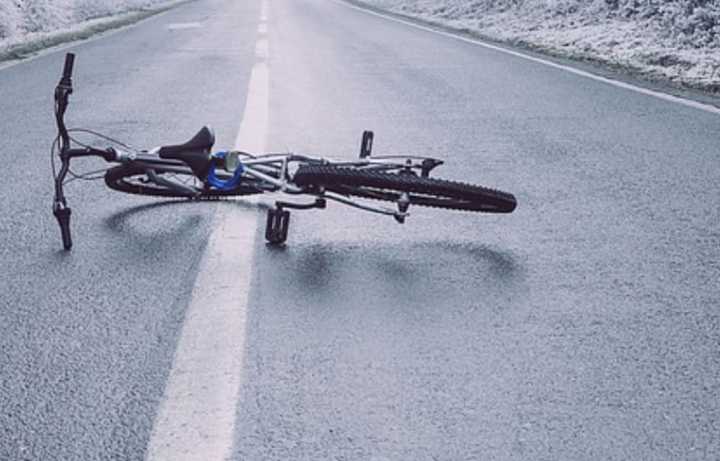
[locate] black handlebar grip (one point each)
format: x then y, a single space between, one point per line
68 70
63 218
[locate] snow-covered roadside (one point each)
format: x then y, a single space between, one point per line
673 40
32 25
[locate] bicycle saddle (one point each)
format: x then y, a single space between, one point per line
194 153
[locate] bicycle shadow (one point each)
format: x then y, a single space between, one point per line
116 221
401 327
415 273
153 229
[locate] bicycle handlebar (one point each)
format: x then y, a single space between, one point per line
63 90
60 209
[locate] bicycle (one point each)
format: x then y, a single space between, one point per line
190 170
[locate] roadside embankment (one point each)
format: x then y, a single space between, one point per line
27 26
676 41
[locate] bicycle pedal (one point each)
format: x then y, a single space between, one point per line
366 144
276 228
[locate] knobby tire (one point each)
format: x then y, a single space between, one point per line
423 191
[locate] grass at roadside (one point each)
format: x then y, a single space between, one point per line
26 45
679 46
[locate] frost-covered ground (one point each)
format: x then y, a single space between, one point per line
675 40
26 25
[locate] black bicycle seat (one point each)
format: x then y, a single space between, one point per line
202 141
194 153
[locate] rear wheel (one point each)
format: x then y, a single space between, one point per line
381 185
132 178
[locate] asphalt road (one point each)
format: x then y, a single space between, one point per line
583 326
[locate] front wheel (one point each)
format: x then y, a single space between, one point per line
134 178
381 185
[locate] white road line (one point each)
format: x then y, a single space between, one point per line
261 48
627 86
196 420
264 12
184 25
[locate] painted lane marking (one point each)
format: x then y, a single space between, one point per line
184 25
261 49
264 12
196 420
617 83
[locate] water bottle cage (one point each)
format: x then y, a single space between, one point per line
212 179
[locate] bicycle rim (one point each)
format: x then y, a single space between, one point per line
429 192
